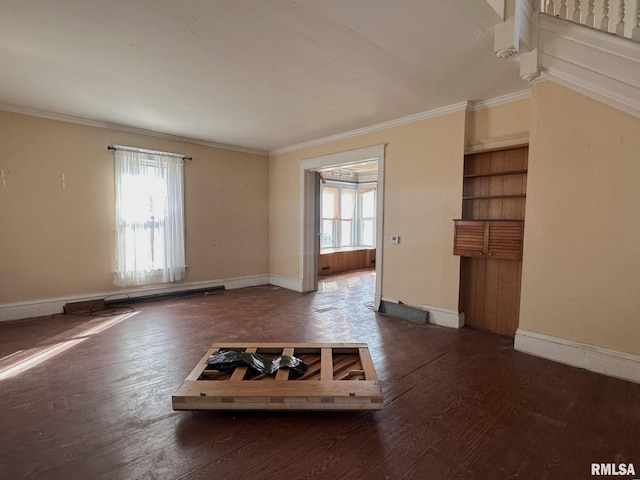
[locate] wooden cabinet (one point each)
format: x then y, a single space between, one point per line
499 239
489 238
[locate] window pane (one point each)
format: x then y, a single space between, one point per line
367 232
368 204
327 237
345 233
149 219
329 203
347 204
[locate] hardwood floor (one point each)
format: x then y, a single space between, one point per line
458 404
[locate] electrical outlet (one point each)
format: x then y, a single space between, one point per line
395 239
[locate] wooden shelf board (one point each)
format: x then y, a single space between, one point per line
495 174
489 197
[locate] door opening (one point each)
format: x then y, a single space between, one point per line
310 209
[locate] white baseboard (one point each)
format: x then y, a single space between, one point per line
52 306
289 283
444 317
590 357
243 282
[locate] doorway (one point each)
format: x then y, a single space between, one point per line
310 211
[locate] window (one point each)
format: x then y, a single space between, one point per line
367 216
330 217
149 218
348 215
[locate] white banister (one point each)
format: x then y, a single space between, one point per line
620 25
551 7
635 33
591 19
576 12
596 14
604 24
563 9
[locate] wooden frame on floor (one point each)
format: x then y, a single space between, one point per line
339 377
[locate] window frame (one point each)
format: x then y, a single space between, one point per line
357 221
148 183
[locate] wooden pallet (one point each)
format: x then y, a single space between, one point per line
339 377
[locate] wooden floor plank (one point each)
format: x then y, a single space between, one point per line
459 404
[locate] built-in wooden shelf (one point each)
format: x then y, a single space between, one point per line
489 238
497 220
487 197
495 174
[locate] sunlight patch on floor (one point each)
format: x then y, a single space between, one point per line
23 360
328 286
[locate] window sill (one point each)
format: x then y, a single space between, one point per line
325 251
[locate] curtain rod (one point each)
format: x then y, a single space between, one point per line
154 152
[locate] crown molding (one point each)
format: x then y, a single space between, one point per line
456 107
501 100
127 129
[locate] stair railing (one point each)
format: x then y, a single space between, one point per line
619 17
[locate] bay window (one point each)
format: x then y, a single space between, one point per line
348 215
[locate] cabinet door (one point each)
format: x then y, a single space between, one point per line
504 239
469 238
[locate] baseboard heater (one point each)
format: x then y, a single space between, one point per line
403 311
156 297
87 306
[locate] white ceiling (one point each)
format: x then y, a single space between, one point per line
260 74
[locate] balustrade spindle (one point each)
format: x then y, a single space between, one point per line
620 25
576 11
551 8
635 33
591 19
604 24
563 9
628 15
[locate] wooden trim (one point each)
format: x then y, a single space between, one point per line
346 260
326 364
240 372
367 364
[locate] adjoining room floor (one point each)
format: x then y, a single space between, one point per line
457 403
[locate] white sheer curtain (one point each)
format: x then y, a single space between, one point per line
149 218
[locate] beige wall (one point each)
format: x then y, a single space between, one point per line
423 188
489 125
581 275
581 268
57 242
